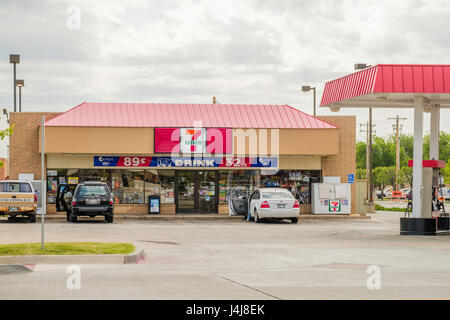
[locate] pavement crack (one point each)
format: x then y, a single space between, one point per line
248 287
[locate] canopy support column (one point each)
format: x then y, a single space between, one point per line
417 158
434 132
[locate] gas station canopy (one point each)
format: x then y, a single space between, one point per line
389 86
426 88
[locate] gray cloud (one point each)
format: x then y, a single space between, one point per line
258 51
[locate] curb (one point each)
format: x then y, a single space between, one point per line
15 268
218 217
138 256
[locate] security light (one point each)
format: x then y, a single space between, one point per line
360 66
14 58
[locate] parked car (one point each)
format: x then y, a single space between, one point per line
275 203
17 198
89 198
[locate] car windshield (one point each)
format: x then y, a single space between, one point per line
277 195
96 190
15 187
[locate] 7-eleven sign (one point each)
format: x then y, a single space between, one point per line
193 140
334 206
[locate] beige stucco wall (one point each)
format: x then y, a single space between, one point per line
345 162
94 140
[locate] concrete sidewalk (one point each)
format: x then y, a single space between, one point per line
198 217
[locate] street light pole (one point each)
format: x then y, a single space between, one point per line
14 59
309 88
370 205
20 84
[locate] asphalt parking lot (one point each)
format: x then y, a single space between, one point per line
323 259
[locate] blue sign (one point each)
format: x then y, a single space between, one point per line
351 178
185 162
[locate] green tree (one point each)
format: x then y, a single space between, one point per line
4 133
360 173
383 151
405 176
361 155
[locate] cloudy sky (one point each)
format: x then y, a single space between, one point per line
188 51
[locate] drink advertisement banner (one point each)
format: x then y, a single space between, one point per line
185 162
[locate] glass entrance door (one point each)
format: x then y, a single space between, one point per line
197 191
207 181
185 195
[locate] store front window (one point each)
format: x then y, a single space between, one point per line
127 186
297 181
133 186
242 180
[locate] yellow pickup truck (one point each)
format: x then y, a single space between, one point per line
17 198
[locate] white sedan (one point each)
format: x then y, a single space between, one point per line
275 203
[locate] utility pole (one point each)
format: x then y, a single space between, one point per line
368 162
397 147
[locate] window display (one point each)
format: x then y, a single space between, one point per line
133 186
243 180
297 181
160 182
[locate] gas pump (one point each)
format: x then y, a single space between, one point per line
434 218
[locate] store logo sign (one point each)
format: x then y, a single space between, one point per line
193 140
334 206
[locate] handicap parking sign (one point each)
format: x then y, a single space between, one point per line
351 178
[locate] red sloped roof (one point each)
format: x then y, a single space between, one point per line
388 78
90 114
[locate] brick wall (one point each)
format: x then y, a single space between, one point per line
3 168
345 162
24 156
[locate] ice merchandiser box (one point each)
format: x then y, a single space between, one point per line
331 198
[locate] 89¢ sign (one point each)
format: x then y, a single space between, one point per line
136 161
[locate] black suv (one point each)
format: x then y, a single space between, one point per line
90 198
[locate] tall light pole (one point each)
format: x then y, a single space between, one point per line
20 84
14 59
371 206
309 88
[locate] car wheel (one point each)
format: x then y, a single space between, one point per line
68 216
73 217
257 220
32 218
294 220
109 218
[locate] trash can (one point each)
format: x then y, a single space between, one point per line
154 202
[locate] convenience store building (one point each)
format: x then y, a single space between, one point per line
191 155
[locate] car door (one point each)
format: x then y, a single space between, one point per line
239 202
253 201
61 197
